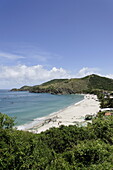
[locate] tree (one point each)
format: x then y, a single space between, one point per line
6 122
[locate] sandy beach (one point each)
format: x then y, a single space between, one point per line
69 116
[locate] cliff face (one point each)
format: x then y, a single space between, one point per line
71 86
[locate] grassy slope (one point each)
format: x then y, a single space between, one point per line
69 86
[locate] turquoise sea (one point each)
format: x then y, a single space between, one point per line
27 106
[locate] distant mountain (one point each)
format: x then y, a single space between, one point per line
71 86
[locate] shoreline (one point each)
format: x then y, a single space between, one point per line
68 116
40 120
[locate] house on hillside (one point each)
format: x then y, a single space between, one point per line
109 114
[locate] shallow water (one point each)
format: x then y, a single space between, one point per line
27 106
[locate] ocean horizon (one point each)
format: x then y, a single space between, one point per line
27 107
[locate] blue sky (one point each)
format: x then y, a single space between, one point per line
45 39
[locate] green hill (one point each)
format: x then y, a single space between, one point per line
71 86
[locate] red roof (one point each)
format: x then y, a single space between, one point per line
108 114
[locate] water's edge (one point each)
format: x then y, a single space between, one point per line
38 121
31 107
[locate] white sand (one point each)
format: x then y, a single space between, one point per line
68 116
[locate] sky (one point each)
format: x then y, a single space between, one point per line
42 40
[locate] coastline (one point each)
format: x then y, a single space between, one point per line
40 120
68 116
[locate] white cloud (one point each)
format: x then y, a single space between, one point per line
110 76
87 71
40 58
20 75
10 56
17 76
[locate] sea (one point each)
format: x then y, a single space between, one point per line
26 107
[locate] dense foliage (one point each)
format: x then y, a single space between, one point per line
63 148
98 82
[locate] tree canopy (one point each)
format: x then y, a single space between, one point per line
63 148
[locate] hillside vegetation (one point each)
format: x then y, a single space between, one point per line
72 86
